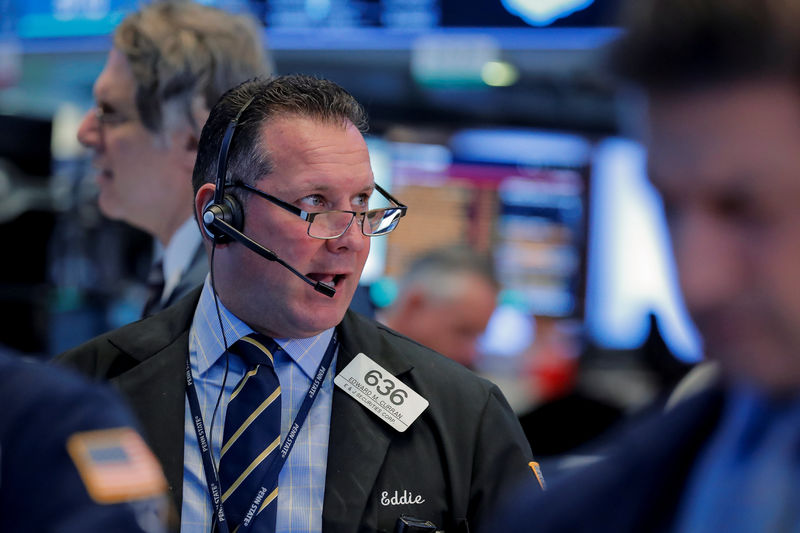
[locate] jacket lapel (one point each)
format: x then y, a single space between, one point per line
359 440
155 386
154 390
667 452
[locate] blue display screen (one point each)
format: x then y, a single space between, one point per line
66 18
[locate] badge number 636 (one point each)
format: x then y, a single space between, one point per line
385 387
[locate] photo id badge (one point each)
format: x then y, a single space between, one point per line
379 391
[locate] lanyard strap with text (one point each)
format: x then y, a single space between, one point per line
212 478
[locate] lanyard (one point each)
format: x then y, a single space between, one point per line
212 477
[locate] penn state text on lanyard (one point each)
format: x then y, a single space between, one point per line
212 476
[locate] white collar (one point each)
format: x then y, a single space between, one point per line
306 353
178 254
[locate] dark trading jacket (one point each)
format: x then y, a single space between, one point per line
42 486
458 456
637 488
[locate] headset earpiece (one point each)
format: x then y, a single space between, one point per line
230 211
224 206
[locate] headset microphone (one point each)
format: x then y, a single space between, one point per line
213 218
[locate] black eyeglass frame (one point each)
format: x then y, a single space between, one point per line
310 216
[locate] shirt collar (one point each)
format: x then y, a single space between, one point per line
306 353
178 254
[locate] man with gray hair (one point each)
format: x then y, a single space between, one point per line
169 64
445 300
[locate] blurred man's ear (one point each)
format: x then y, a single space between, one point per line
192 142
416 299
188 141
411 303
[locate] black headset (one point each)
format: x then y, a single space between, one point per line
225 207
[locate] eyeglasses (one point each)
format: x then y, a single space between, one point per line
333 224
109 118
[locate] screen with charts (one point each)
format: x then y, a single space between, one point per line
574 228
519 195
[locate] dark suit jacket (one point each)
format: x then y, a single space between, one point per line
43 488
458 456
637 488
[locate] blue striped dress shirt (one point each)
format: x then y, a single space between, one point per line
302 480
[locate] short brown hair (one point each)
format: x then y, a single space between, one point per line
180 50
685 44
290 95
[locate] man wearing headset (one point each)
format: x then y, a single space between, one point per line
396 435
169 63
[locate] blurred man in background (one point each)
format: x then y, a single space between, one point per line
721 80
444 301
169 64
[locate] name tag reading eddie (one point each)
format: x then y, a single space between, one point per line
379 391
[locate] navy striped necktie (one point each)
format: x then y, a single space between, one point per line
252 435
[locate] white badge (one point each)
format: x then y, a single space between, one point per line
380 392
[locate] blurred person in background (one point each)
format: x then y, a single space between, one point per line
72 459
721 83
445 300
169 64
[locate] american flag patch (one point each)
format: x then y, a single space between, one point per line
116 465
537 471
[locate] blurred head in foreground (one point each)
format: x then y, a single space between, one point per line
721 82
